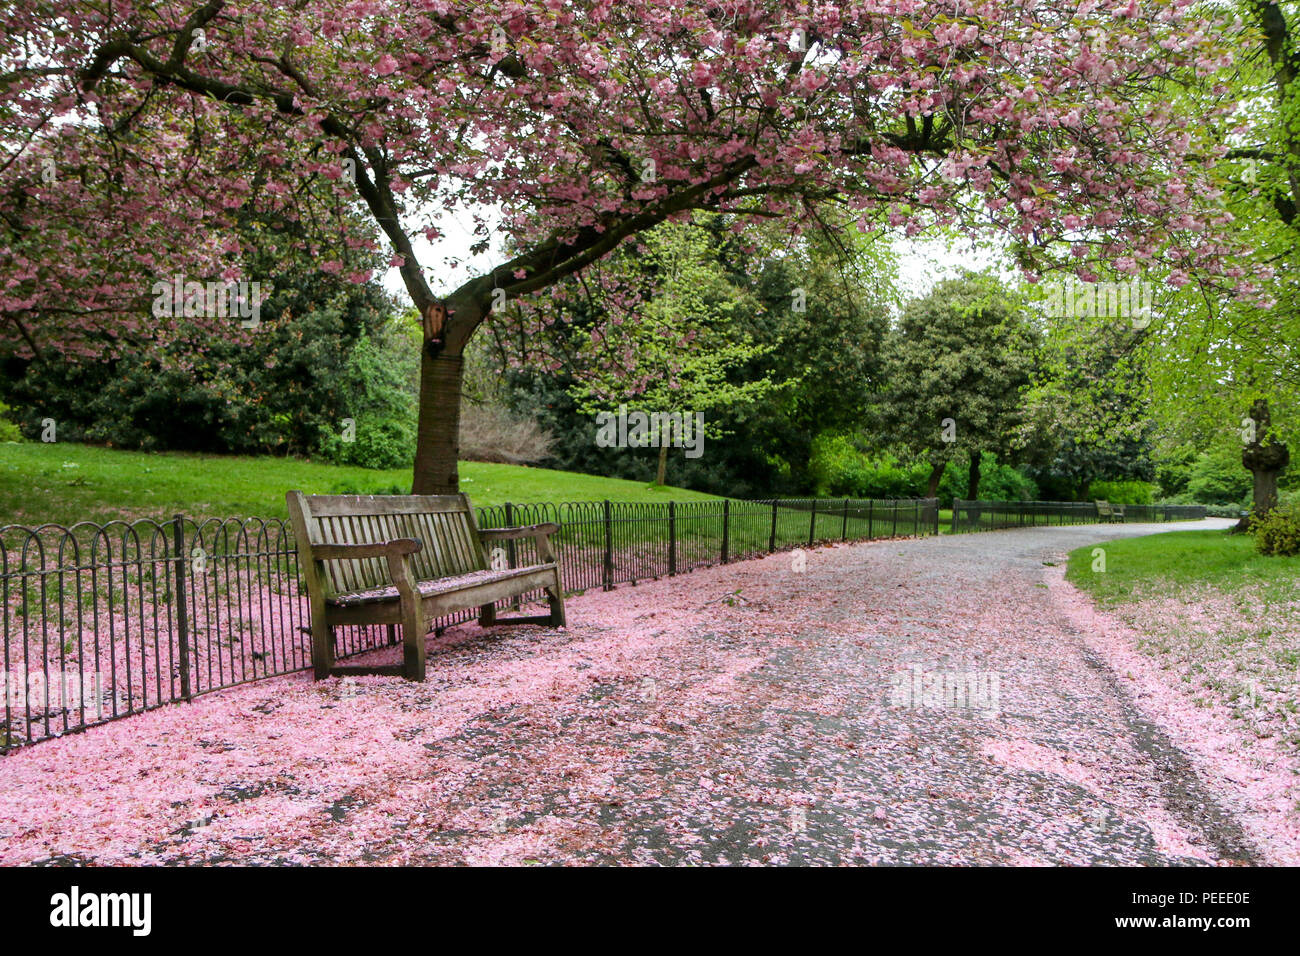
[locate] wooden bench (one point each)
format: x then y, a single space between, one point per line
1109 512
408 559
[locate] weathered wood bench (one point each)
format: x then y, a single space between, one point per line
1109 512
408 559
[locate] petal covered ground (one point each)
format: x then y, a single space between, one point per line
743 714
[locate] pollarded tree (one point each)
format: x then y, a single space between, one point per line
956 368
566 126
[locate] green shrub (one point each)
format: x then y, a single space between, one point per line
1278 532
1174 471
1224 511
8 430
1122 492
838 468
1218 478
998 482
377 443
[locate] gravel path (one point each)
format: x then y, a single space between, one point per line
745 714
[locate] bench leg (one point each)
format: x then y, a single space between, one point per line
487 615
413 646
555 598
322 646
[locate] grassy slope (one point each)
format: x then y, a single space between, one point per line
1175 563
1222 620
64 483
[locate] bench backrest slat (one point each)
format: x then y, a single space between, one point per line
444 524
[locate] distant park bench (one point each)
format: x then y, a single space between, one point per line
407 559
1109 512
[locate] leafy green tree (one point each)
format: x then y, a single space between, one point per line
283 387
827 302
1219 366
956 367
777 358
1089 414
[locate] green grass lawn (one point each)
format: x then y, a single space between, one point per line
1221 620
1170 564
63 483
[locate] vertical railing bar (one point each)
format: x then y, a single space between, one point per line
609 549
672 538
726 529
182 612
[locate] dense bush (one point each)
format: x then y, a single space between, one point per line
998 482
377 390
8 430
1174 471
281 388
377 443
1122 492
1217 477
1278 532
839 468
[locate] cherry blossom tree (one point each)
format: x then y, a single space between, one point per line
563 127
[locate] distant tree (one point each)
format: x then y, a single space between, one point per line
658 331
827 302
1089 417
956 367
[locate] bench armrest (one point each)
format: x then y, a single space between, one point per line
398 547
541 533
524 531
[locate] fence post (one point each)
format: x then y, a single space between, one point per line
182 612
844 532
871 508
609 548
936 516
894 531
812 522
510 523
672 538
726 522
956 508
516 603
771 541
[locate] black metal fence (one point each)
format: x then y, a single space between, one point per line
994 515
103 621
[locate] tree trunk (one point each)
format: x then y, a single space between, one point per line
1265 458
437 443
936 475
662 472
973 485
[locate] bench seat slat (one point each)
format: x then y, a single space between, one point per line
437 586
